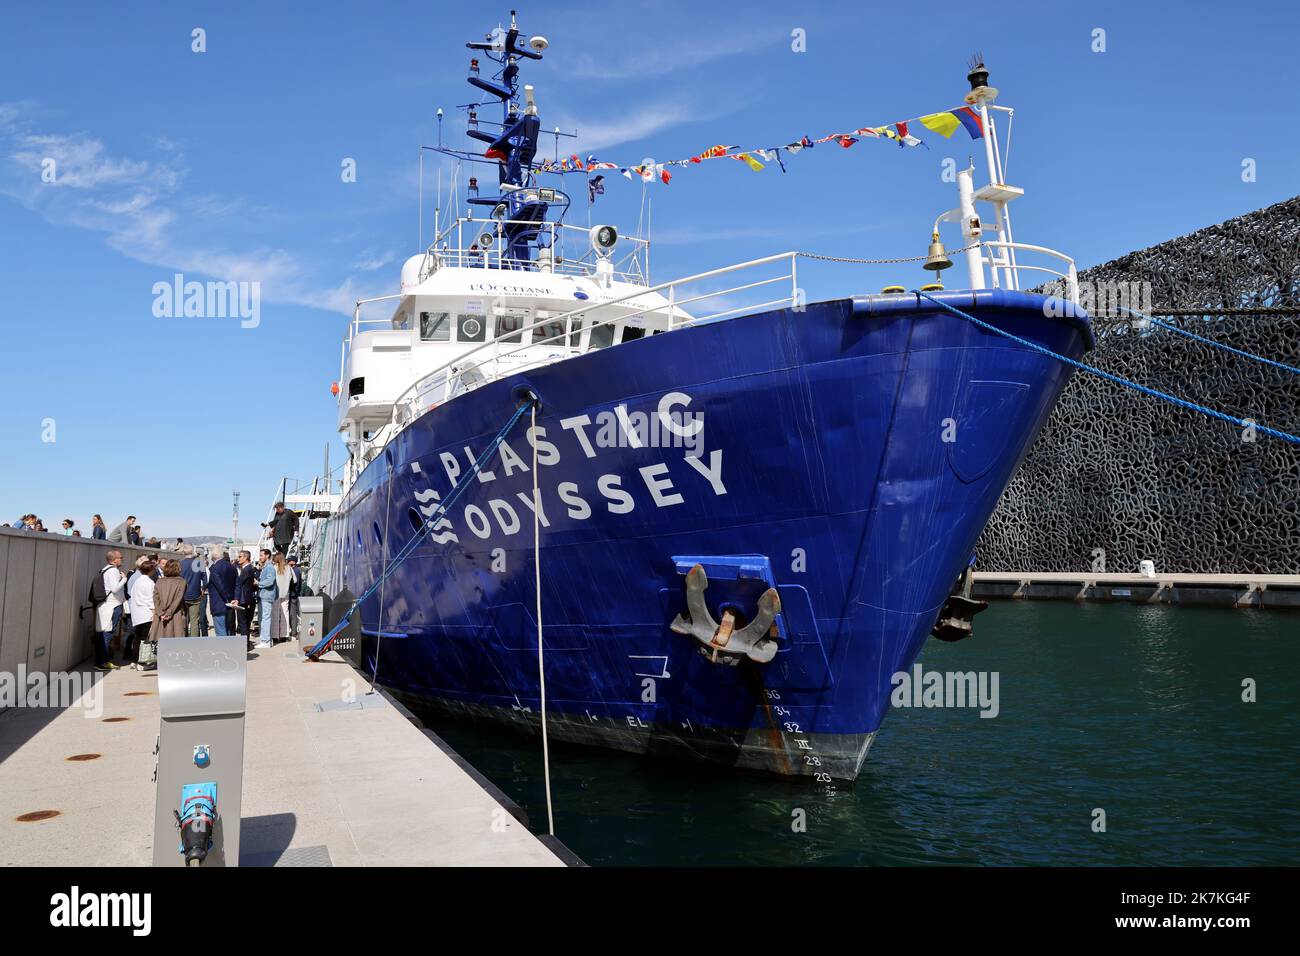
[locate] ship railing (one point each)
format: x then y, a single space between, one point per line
458 245
360 325
494 359
1005 267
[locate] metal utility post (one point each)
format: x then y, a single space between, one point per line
234 520
200 772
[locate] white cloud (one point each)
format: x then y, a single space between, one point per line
658 59
80 161
783 231
371 261
633 124
144 212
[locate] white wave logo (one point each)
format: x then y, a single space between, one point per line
429 504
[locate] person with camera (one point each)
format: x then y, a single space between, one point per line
283 527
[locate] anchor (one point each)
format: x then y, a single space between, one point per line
956 617
722 643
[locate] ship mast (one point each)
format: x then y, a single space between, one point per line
998 253
519 207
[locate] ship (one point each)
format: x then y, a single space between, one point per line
709 532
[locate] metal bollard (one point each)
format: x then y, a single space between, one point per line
200 770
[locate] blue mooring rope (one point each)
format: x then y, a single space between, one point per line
1218 345
324 643
1118 380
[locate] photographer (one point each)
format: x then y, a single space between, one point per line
283 527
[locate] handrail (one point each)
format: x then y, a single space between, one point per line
1071 275
565 316
442 245
356 312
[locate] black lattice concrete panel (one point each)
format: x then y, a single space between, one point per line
1139 478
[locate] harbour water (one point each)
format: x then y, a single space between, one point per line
1133 710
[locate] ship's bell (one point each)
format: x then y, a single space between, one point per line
938 259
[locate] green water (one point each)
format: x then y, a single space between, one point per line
1137 711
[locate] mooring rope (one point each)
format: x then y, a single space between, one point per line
379 640
541 668
1218 345
410 546
1111 377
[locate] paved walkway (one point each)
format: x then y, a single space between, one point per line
364 784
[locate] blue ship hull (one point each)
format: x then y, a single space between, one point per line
851 453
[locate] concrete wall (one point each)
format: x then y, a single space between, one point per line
44 581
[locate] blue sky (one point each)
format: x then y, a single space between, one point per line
226 165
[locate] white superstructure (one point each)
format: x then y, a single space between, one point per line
465 316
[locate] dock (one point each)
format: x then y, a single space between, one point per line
335 772
327 780
1208 590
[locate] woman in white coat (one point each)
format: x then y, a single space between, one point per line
140 598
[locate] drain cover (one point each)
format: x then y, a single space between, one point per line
296 856
364 702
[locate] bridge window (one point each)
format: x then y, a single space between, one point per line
435 327
509 327
471 328
632 332
357 386
551 333
575 332
601 336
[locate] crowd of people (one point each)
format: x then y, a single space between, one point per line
192 597
194 594
128 532
283 527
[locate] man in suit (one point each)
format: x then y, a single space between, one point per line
295 592
222 578
245 594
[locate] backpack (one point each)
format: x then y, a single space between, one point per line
98 592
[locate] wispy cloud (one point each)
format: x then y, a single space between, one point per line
371 261
636 123
784 231
143 210
659 59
